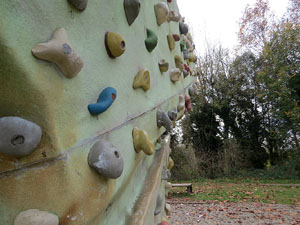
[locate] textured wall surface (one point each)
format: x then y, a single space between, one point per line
56 176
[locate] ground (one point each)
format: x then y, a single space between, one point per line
236 202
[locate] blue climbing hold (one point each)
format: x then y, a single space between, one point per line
106 98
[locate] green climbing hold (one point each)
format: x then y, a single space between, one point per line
151 40
182 46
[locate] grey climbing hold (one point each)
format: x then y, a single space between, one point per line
165 174
163 120
172 114
18 137
183 28
159 205
79 4
192 91
106 159
35 216
132 9
185 54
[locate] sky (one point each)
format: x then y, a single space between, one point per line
216 21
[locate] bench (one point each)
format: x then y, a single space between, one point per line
189 187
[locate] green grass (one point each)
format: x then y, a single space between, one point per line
242 190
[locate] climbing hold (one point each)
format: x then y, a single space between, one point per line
170 163
159 205
192 91
168 209
114 44
188 103
79 4
162 119
132 10
18 137
35 216
172 114
165 174
171 42
169 1
182 46
176 37
163 65
142 80
106 159
175 75
168 186
151 40
161 12
192 57
174 16
164 221
105 99
181 103
183 28
59 51
179 62
142 142
185 54
189 45
185 73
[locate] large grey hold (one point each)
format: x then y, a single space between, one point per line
159 205
183 28
106 159
132 9
79 4
172 114
18 137
165 173
35 216
163 120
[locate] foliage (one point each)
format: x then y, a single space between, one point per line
256 25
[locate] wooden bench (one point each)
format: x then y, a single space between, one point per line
189 186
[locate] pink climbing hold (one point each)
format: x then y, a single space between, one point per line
187 68
188 104
176 37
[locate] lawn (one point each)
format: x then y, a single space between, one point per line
242 190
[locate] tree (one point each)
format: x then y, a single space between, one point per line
256 26
280 76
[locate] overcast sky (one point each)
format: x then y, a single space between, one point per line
217 20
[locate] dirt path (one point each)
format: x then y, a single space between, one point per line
222 213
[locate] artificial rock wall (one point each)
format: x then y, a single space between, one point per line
86 91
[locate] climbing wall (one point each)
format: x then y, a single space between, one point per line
87 91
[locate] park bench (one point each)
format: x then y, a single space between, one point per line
189 186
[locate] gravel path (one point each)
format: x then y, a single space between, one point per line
222 213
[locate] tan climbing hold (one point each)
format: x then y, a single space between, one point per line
114 44
175 75
181 104
59 51
179 62
171 42
163 65
161 12
168 209
142 80
170 163
142 142
174 16
192 58
36 217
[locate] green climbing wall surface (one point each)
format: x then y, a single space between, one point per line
56 176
